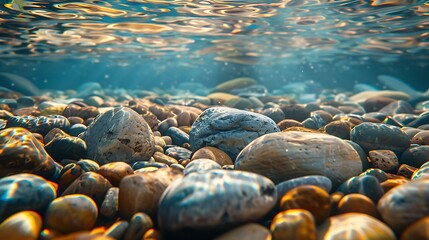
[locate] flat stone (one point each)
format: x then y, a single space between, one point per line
287 155
120 134
214 200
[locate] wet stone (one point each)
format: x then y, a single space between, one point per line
115 172
68 174
214 201
385 160
287 123
117 229
163 158
377 173
228 129
275 113
406 171
417 230
392 183
421 120
373 136
421 138
178 136
354 226
358 203
141 192
397 107
21 152
90 184
405 204
120 134
24 192
64 146
24 225
305 154
145 164
311 198
415 156
71 213
338 128
315 180
367 185
42 124
77 129
293 224
200 166
109 207
178 153
295 112
421 172
214 154
140 223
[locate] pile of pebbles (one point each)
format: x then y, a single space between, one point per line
237 163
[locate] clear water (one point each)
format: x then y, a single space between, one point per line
161 43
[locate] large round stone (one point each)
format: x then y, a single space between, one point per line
229 129
120 134
287 155
215 200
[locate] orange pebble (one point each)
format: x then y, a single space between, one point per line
359 203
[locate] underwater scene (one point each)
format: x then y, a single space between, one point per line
214 119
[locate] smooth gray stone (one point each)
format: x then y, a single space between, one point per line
201 165
315 180
229 129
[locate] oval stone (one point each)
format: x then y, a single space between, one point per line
215 200
351 226
316 180
25 225
120 134
405 204
229 129
293 224
201 165
377 136
287 155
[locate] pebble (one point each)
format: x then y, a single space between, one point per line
41 124
200 166
338 128
375 136
249 231
351 226
377 173
287 123
315 180
295 112
311 198
178 136
213 201
141 192
214 154
293 224
415 156
119 134
275 113
229 129
71 213
64 146
139 224
397 107
77 129
367 185
392 183
24 225
417 230
421 120
405 204
109 206
359 203
24 192
163 158
115 172
385 160
117 230
21 152
306 154
421 138
179 153
406 171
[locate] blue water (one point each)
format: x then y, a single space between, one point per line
157 43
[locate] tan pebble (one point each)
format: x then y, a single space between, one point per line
183 119
352 226
115 171
391 183
90 184
152 234
294 224
214 154
25 225
167 140
117 230
417 230
358 203
163 158
140 223
250 231
312 198
71 213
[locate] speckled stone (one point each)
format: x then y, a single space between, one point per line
200 166
350 226
24 192
90 184
178 153
21 152
415 156
140 223
367 185
115 172
71 213
214 200
417 230
141 192
229 129
24 225
287 155
120 134
249 231
421 138
109 206
311 198
214 154
359 203
294 224
405 204
375 136
315 180
385 160
406 170
42 124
